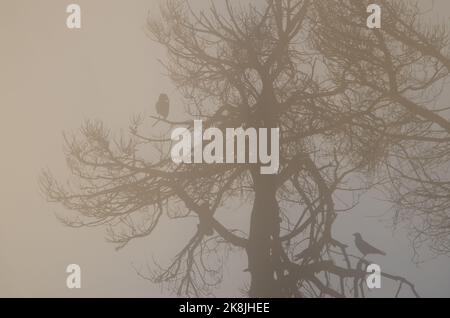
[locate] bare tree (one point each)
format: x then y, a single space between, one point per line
403 69
355 110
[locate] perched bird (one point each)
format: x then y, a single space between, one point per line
364 247
162 107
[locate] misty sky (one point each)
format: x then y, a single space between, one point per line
51 80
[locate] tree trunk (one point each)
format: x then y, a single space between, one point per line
264 228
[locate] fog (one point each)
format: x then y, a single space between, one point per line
51 80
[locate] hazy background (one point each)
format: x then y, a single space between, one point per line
51 79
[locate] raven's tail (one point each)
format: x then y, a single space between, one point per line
157 122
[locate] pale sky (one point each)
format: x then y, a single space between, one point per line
51 79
